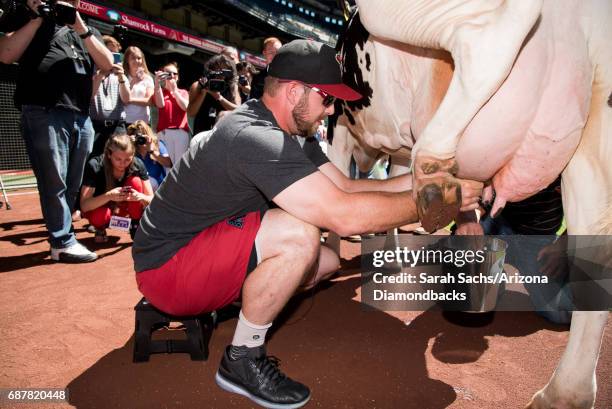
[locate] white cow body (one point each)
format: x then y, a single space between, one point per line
525 100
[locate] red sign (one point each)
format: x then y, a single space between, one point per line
135 23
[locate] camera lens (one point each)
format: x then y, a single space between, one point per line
141 140
217 85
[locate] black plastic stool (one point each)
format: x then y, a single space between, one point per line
149 319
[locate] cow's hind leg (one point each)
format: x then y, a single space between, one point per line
438 197
573 384
587 199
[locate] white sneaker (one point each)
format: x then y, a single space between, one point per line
77 253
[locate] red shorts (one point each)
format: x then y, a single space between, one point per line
207 273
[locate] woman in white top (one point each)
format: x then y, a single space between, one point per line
141 86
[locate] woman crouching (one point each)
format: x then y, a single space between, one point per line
151 151
115 183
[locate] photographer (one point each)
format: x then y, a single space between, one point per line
172 125
246 71
115 183
111 91
17 31
151 151
56 53
216 91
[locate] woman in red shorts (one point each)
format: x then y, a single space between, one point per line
115 183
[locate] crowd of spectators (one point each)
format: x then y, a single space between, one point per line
87 121
129 160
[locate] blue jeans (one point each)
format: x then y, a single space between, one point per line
553 301
58 143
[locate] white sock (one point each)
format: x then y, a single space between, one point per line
249 334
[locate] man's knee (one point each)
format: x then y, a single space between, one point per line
282 234
304 240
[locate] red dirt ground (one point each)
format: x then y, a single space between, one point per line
71 326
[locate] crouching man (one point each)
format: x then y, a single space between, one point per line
240 214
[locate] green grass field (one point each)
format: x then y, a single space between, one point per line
18 180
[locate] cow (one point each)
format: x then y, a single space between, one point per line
511 92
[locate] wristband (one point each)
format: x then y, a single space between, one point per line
86 34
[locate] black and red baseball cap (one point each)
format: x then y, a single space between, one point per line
314 64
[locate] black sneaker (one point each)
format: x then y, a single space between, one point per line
249 372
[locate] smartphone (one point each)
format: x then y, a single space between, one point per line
117 58
126 189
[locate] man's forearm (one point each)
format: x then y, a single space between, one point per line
396 184
13 45
196 97
99 53
227 104
368 212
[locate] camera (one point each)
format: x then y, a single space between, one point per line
216 81
11 10
140 139
16 13
120 32
61 13
243 80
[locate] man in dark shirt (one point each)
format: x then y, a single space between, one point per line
250 200
54 87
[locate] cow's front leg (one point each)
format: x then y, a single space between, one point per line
437 192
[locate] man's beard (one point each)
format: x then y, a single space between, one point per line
300 111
